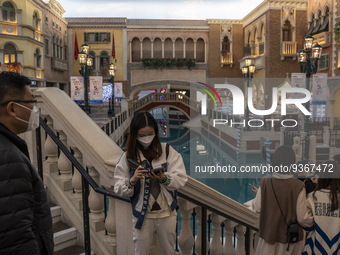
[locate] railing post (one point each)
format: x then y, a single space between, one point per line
186 238
240 232
76 179
216 247
96 203
110 222
86 220
64 166
51 150
228 248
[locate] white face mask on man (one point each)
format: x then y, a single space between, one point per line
33 121
146 140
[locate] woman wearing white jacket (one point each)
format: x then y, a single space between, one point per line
153 194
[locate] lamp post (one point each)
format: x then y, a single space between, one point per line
308 59
248 71
112 72
86 62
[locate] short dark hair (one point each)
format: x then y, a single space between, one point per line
141 120
12 85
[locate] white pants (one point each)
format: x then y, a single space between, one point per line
163 228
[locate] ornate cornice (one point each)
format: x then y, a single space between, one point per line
224 21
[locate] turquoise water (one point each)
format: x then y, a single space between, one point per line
235 188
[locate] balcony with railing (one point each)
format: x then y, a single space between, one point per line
59 64
324 39
250 50
226 58
288 49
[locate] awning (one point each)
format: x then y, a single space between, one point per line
317 27
324 24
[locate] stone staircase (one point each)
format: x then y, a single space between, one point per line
65 237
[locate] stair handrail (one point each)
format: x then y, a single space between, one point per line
86 180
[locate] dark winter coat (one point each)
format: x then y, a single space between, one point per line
25 216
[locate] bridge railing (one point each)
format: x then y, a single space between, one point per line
166 97
110 223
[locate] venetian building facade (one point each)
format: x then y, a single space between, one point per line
107 40
55 46
273 32
21 38
225 48
166 54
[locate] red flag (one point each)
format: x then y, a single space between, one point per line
76 49
113 46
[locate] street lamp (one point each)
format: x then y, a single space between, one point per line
112 72
86 62
248 71
308 59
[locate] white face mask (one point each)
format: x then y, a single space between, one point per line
33 121
146 140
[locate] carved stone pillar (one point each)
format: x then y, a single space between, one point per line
64 166
228 247
96 204
186 238
76 180
216 243
240 235
51 150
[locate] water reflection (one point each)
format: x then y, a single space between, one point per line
185 142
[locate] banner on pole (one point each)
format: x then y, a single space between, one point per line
118 90
320 88
77 89
96 92
298 80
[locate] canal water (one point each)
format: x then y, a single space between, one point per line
236 188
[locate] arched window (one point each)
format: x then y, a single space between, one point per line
35 21
37 57
54 53
104 63
261 42
93 55
135 47
168 48
60 48
317 24
57 47
200 50
325 24
226 44
179 48
10 54
146 48
189 48
8 12
287 31
157 48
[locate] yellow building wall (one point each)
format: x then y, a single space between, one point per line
26 42
98 47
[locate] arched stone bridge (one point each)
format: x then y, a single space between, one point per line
155 100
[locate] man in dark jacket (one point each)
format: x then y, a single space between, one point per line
25 216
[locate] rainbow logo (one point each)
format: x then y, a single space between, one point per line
211 91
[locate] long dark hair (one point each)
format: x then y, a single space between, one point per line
141 120
330 183
283 155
